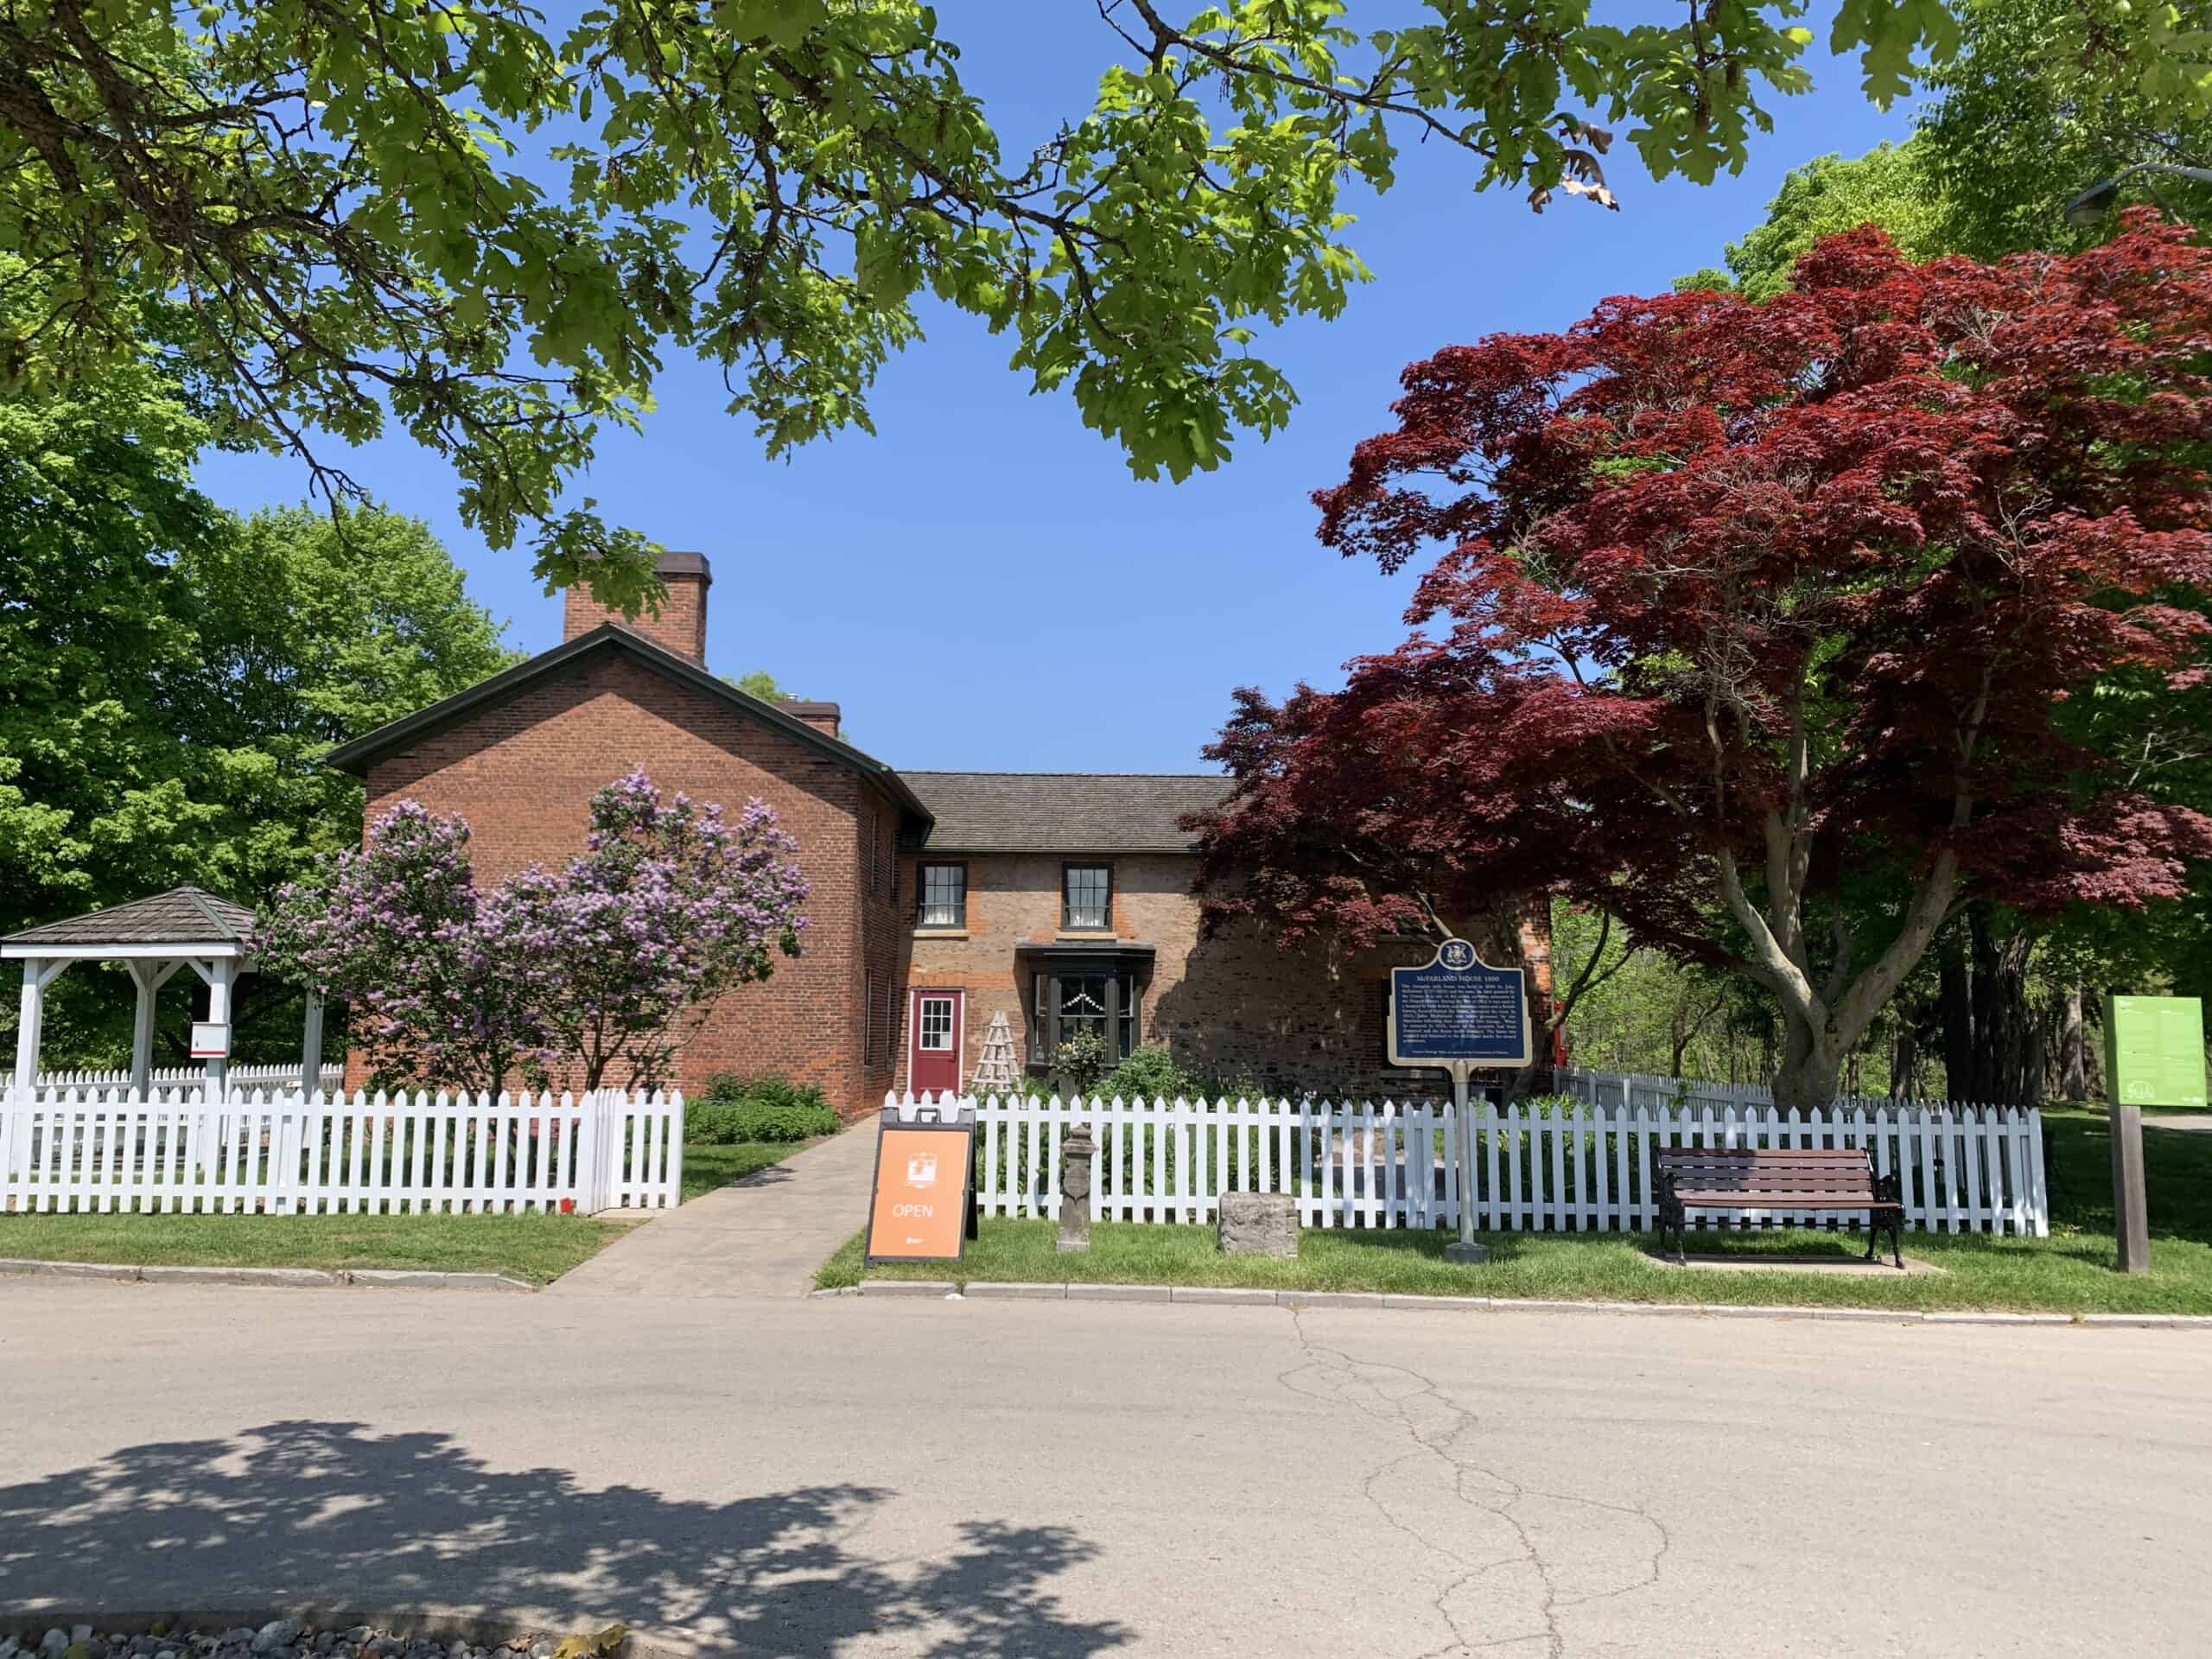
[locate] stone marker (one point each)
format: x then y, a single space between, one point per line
1076 1153
1258 1223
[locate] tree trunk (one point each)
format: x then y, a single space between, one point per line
1903 1057
2072 1062
1953 990
1810 1067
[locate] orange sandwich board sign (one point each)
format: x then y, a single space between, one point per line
920 1211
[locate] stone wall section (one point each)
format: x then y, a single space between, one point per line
1232 1006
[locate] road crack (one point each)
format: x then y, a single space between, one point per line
1507 1581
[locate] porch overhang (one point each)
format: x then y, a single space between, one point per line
1099 955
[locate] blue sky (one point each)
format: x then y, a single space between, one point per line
982 584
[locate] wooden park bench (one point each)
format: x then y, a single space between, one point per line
1826 1182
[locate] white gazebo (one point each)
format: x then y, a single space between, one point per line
153 938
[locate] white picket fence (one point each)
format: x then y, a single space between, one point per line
332 1077
1581 1169
287 1152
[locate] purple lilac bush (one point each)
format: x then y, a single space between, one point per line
594 971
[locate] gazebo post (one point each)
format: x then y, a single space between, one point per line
149 976
220 975
39 972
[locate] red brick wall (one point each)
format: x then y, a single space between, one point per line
679 626
523 775
877 883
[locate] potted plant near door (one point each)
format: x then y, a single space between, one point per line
1078 1063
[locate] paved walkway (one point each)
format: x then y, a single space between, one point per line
764 1237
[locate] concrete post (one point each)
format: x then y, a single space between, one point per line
1076 1153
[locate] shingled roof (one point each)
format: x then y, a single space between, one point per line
358 756
1062 812
185 915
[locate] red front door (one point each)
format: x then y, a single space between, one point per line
939 1025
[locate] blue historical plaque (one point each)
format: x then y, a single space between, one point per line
1456 1010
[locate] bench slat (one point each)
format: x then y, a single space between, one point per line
1768 1177
1774 1162
1811 1189
1757 1200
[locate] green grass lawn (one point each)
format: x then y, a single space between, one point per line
706 1168
2070 1272
537 1248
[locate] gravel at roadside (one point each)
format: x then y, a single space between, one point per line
285 1638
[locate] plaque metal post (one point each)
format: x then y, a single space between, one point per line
1466 1247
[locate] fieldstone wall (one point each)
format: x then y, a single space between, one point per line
1233 1006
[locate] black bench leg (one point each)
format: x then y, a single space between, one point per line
1897 1241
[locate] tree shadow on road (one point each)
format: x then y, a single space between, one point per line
329 1514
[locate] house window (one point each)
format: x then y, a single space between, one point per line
1086 896
943 896
867 1018
868 856
936 1030
1066 1003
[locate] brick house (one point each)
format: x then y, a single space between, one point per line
939 899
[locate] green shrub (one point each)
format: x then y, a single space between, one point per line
1152 1072
732 1110
1149 1073
770 1119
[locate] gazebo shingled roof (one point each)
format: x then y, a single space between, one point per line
186 915
154 938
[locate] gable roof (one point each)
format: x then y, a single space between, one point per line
186 915
1062 812
364 752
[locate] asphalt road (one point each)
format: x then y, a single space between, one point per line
999 1478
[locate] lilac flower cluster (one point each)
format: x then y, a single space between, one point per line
594 971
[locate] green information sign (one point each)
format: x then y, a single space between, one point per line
2154 1050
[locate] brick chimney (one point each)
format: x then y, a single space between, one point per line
822 716
681 626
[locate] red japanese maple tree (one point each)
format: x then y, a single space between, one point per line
1752 619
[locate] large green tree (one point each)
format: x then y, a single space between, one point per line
171 674
1889 185
2043 100
2047 98
489 232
